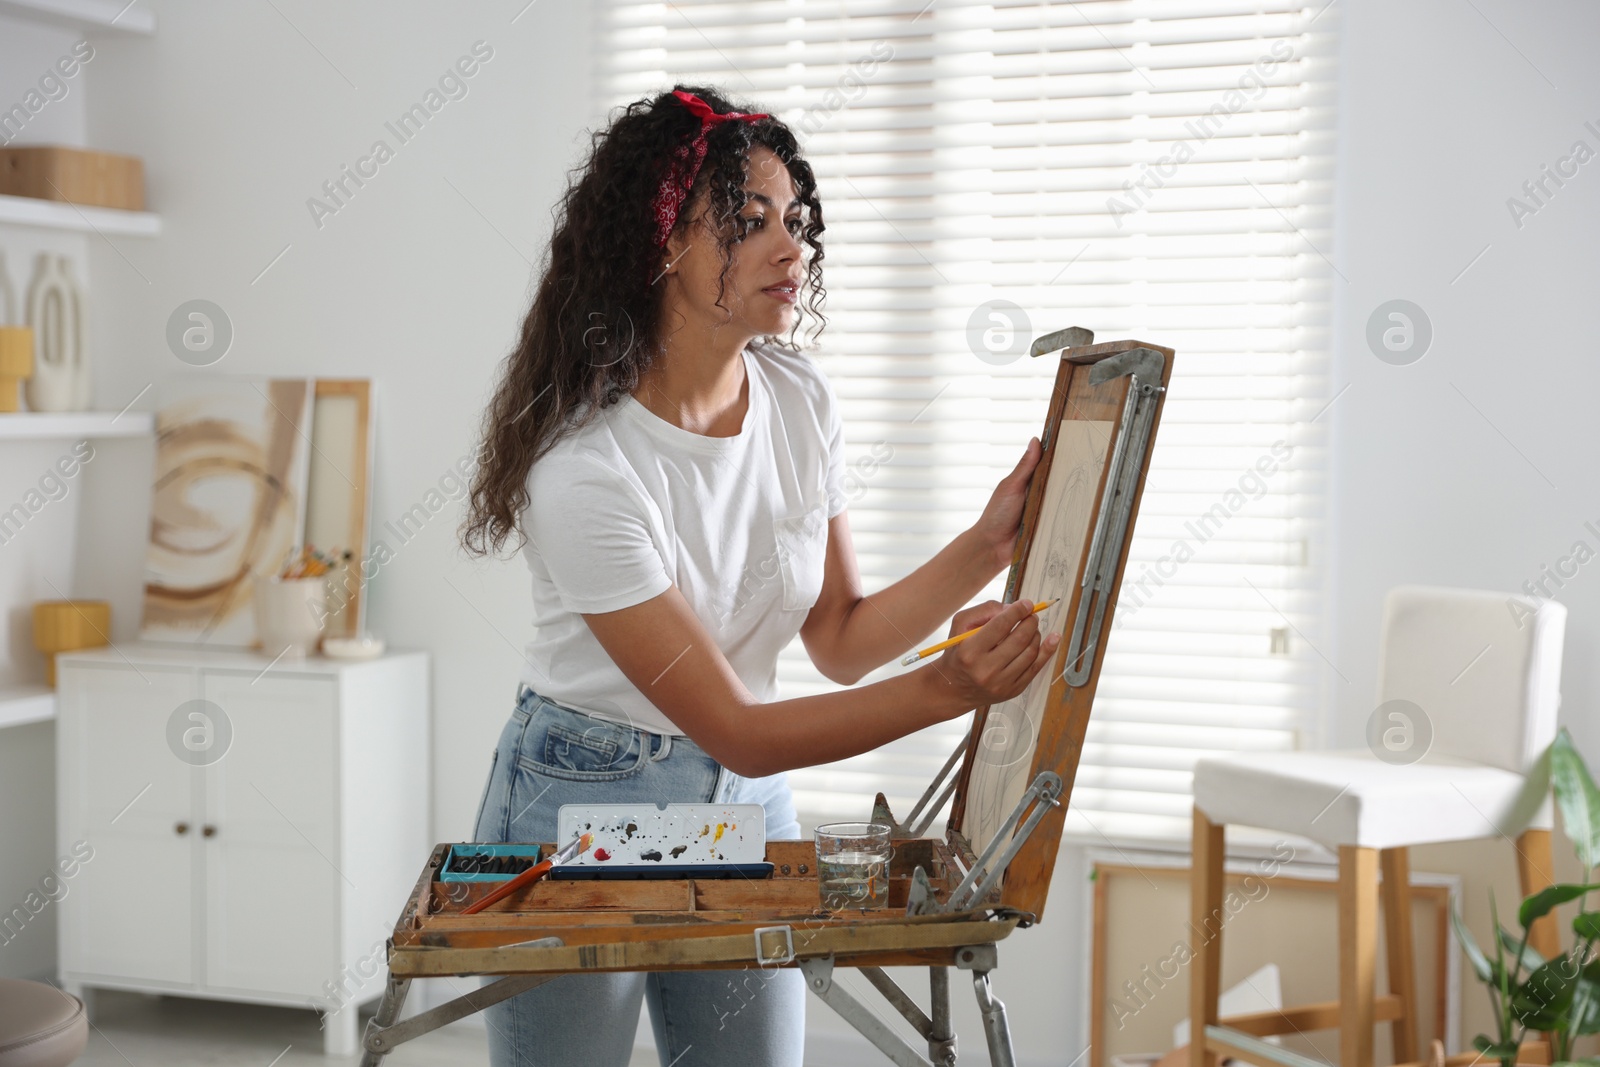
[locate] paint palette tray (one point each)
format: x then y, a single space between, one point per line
487 863
667 841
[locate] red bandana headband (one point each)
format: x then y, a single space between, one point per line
684 165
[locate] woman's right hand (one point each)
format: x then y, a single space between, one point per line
994 664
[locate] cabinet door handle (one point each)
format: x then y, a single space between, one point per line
181 828
208 830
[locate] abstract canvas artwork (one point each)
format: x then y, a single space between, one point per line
228 502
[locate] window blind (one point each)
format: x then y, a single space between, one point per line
990 172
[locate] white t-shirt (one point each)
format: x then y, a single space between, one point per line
632 504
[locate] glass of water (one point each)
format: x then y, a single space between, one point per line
853 865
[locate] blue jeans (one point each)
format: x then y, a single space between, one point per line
551 755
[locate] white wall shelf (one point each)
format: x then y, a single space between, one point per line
25 704
89 16
56 215
44 426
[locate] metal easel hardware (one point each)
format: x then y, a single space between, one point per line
383 1033
819 979
995 1028
924 811
1144 367
941 1037
1071 337
919 898
1003 847
538 942
935 1029
766 959
978 958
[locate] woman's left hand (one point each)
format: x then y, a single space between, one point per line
998 526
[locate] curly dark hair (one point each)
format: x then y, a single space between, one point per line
593 325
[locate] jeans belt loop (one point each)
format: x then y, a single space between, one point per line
666 747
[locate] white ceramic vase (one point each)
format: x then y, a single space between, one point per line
289 615
60 379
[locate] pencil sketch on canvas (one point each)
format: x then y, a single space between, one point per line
1004 757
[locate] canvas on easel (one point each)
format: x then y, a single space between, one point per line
1077 522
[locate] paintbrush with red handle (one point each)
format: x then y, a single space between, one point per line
532 874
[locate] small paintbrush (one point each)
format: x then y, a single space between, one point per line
573 848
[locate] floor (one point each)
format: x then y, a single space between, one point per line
134 1030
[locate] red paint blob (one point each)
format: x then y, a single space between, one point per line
601 854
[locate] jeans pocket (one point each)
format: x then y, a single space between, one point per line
578 748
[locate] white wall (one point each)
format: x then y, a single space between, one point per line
1475 465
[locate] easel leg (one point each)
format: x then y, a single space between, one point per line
819 979
995 1029
394 998
941 1038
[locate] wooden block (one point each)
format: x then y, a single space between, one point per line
16 363
74 175
64 625
16 351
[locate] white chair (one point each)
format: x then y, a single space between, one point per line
1484 669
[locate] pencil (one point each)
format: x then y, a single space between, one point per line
958 638
532 874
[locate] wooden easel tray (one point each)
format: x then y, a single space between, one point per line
434 938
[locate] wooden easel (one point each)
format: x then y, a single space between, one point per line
948 904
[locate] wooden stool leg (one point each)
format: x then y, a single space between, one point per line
1205 914
1536 870
1396 865
1358 953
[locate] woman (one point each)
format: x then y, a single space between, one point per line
673 471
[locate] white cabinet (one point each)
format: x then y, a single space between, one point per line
254 830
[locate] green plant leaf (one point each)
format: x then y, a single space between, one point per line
1577 797
1585 1015
1530 958
1542 1001
1539 905
1586 924
1493 1050
1469 945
